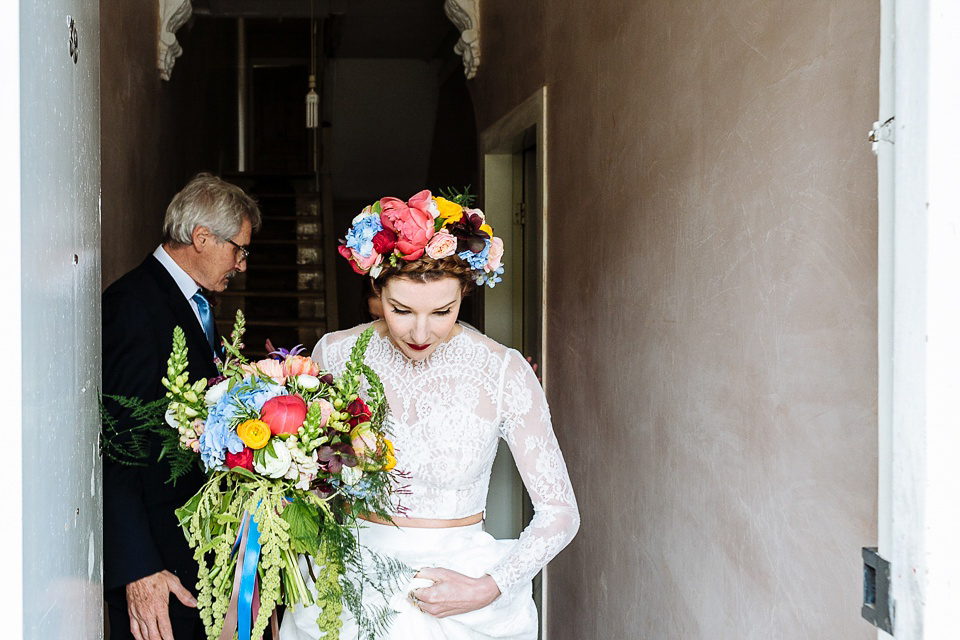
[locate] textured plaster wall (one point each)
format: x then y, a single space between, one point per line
156 134
712 321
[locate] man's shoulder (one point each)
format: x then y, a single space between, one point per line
143 281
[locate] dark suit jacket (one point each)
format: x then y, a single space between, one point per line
140 531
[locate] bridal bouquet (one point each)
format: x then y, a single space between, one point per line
293 455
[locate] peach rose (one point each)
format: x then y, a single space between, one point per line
298 365
495 256
269 367
413 226
441 245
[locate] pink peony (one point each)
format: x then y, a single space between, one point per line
495 256
298 365
441 245
269 367
425 202
284 414
413 226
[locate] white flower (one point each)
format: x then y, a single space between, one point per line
273 460
351 475
308 382
216 392
304 468
365 213
375 271
170 416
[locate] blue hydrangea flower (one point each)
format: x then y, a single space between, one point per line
490 279
219 435
476 260
215 441
360 235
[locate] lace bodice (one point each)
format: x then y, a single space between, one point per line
446 415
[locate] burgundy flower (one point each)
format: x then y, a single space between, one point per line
359 412
468 234
334 457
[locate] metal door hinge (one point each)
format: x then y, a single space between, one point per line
520 213
877 607
881 133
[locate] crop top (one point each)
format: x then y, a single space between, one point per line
447 412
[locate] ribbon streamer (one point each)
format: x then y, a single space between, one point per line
245 600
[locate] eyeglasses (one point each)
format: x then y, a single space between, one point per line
244 252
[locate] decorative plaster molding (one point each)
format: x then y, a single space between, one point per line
465 14
173 15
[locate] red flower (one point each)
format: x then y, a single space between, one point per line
243 459
284 414
385 241
359 412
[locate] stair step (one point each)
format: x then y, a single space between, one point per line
278 293
276 242
286 322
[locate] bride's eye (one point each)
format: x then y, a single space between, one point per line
442 313
400 312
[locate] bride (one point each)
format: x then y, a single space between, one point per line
452 393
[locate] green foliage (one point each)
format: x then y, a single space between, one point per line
462 197
303 524
130 444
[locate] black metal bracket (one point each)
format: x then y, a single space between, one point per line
877 609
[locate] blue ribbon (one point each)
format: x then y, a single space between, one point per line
251 557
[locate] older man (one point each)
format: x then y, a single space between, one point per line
149 571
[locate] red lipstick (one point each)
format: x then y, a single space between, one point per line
417 347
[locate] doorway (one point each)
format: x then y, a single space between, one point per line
514 197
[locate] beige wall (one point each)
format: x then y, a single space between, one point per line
712 232
156 134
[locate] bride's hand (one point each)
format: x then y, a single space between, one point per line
453 592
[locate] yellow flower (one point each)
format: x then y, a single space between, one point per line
487 229
254 433
449 211
389 457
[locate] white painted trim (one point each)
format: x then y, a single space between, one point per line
926 348
498 143
11 471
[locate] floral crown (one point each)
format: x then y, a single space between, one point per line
390 230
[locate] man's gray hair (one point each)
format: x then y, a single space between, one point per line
207 201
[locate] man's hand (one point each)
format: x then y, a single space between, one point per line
147 602
453 592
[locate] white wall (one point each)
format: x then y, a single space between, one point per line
60 312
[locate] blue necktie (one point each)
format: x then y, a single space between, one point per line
206 317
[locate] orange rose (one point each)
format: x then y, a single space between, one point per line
298 365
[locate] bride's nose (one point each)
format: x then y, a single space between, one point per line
420 333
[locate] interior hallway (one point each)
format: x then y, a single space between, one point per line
710 221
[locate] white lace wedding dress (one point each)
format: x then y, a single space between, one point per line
447 413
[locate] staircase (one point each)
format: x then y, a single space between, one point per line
284 292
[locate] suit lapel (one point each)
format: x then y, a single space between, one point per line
184 316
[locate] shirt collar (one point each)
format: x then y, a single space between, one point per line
186 284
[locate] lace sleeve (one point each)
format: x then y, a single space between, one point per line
525 425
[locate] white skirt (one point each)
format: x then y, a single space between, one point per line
469 550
